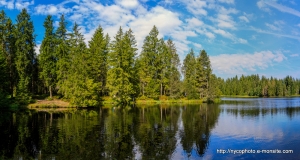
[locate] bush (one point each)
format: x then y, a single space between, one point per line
163 97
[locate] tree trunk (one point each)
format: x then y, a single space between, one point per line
143 88
160 89
50 90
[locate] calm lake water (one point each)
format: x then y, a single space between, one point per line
156 132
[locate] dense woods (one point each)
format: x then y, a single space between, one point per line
254 85
112 67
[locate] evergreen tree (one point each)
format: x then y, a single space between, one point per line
121 75
148 72
98 50
78 87
25 56
203 73
174 81
189 72
47 56
7 48
3 79
62 53
163 66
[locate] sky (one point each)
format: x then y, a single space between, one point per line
240 36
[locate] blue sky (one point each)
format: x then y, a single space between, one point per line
240 36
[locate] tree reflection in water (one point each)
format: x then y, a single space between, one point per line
142 132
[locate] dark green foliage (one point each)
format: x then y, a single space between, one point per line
47 57
254 85
25 56
203 74
174 80
62 52
77 86
189 72
4 80
150 85
98 52
121 74
7 42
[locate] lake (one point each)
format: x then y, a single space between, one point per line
237 128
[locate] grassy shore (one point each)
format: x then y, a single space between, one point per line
56 103
49 104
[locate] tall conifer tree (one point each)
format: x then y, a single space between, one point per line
121 80
189 72
98 52
25 56
174 82
47 56
148 60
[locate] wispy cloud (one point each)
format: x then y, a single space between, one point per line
294 55
272 27
244 18
275 34
227 1
241 63
282 8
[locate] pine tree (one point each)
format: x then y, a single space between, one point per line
174 82
189 72
121 80
62 53
47 56
25 56
148 72
163 66
203 73
98 50
77 86
7 48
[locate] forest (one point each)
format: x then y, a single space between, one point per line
83 74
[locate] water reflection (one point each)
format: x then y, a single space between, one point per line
146 132
197 124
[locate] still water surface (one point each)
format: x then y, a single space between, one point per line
155 132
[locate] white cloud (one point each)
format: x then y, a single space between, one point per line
197 45
243 41
223 33
20 4
8 4
244 18
166 21
16 4
261 5
240 63
272 27
51 9
275 34
37 49
128 3
294 55
194 22
227 1
282 8
196 7
224 19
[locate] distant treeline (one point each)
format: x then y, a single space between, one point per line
254 85
84 74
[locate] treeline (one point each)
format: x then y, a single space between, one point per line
84 74
254 85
